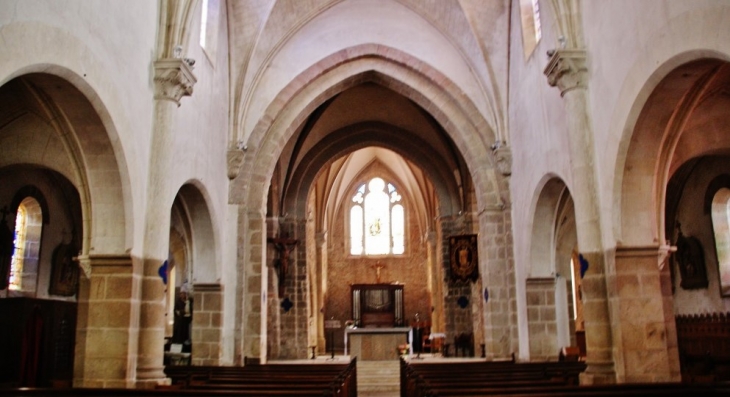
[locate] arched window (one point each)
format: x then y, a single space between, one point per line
27 240
377 220
721 227
531 27
209 18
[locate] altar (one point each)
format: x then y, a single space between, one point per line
375 344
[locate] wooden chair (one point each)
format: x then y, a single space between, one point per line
569 353
465 343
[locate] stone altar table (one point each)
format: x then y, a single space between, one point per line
373 344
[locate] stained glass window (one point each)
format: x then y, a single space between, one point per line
377 220
16 266
721 226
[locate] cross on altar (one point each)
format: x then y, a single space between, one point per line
378 266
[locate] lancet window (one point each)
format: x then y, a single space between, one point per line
377 220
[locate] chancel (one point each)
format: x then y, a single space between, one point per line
377 312
514 172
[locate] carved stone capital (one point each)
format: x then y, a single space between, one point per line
235 160
503 154
567 70
173 79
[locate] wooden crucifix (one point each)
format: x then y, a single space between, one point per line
378 267
284 246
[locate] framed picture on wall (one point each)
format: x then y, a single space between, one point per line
64 271
464 257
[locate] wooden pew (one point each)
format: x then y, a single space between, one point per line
419 378
528 379
338 379
256 380
642 389
334 379
97 392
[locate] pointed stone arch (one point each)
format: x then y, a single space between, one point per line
429 89
192 220
393 69
549 284
63 126
372 134
661 135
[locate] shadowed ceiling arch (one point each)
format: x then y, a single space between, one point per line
80 146
665 137
360 135
430 90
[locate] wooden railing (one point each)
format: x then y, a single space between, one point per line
704 346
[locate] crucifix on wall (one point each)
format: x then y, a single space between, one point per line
284 246
378 267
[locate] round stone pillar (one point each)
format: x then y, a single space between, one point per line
173 80
567 71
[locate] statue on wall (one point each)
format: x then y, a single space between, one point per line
181 333
284 246
64 271
691 261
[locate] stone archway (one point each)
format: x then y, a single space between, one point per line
550 286
412 79
192 222
57 127
664 137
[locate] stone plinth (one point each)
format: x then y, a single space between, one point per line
374 344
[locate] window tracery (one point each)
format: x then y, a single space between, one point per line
377 220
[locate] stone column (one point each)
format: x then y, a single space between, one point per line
567 70
321 284
173 79
435 282
207 311
106 340
251 316
457 319
294 321
646 333
498 278
541 319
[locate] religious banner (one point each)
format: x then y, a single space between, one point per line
463 257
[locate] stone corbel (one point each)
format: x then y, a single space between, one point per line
567 69
665 251
85 265
173 79
234 160
320 239
503 154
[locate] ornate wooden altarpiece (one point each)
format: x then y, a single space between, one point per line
377 305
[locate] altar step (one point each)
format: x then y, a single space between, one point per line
378 378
